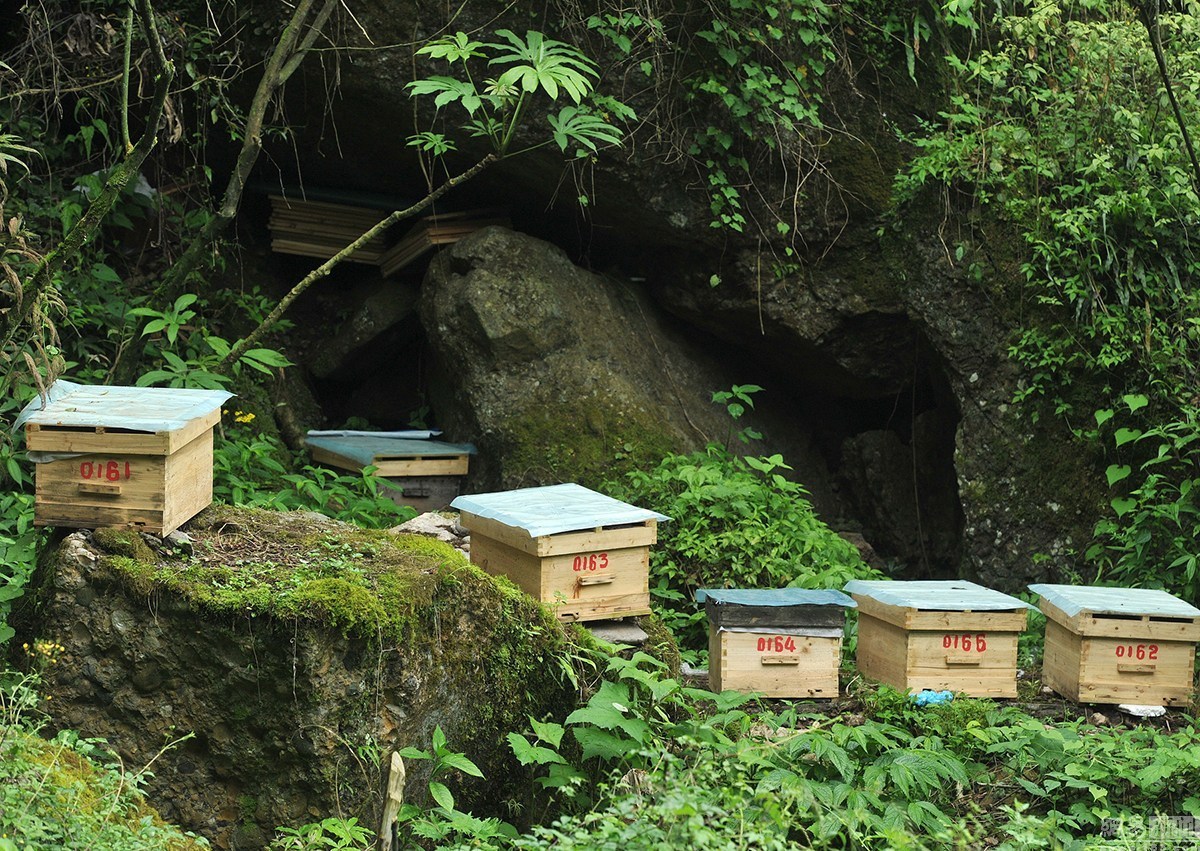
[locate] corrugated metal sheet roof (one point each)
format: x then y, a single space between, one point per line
151 409
1073 599
939 596
553 509
364 449
774 597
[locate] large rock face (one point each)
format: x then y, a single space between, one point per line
562 374
888 386
284 700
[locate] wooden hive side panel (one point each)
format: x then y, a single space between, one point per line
882 650
1060 661
188 482
1135 670
73 492
807 666
499 559
977 663
605 538
599 584
716 666
433 465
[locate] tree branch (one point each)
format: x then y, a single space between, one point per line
325 268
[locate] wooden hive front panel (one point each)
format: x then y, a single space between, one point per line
774 664
1099 669
154 493
979 661
591 584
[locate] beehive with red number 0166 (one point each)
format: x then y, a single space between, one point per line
136 457
584 554
779 643
949 635
1118 645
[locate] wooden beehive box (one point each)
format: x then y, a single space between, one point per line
939 635
1118 645
139 457
425 474
582 553
778 643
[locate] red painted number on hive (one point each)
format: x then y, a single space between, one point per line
966 642
113 471
595 561
778 643
1137 651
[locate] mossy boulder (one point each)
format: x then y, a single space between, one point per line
556 373
284 657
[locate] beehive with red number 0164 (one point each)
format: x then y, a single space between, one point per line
948 635
584 554
136 457
1118 645
778 643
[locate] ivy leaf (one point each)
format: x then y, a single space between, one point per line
1103 416
1135 401
1117 472
1126 435
1123 506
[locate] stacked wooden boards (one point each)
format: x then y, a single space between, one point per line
323 228
432 231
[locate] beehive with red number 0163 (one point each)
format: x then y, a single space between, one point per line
947 635
584 554
778 643
136 457
1118 645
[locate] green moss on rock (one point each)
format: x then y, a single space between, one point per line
542 445
124 542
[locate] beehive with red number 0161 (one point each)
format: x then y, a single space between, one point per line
584 554
136 457
778 643
949 635
1118 645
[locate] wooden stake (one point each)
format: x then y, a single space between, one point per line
395 799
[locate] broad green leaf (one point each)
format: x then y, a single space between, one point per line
1135 401
1116 473
1123 506
441 795
1126 435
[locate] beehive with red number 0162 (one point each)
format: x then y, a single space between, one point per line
948 635
584 554
779 643
1118 645
136 457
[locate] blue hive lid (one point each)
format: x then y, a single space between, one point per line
1073 599
553 509
956 595
148 409
774 597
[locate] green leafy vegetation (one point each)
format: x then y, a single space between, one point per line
1058 124
68 792
737 522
